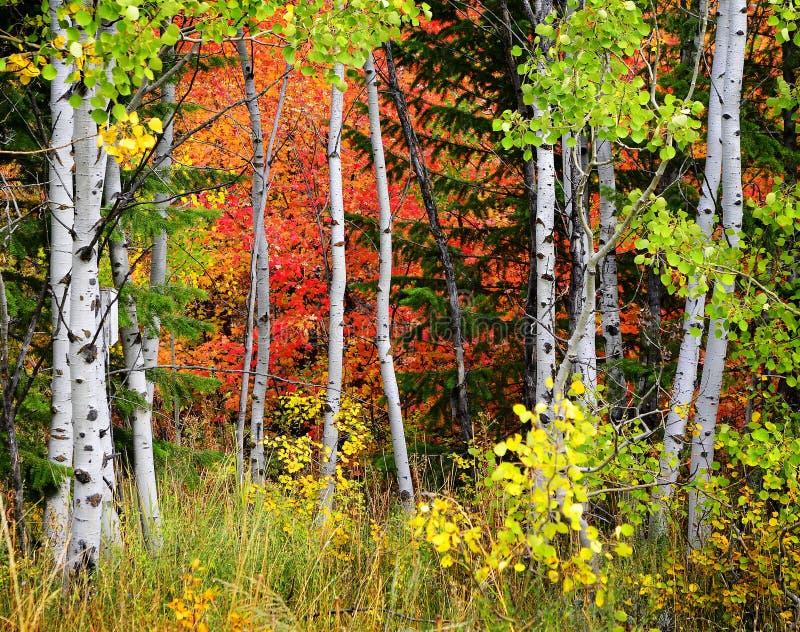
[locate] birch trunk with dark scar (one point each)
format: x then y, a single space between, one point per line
651 348
529 182
686 372
333 393
545 247
576 210
107 325
84 354
135 379
460 399
707 405
616 386
261 281
143 434
60 203
383 329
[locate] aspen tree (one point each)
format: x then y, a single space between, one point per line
84 355
383 329
545 246
60 203
609 290
135 378
707 406
338 283
686 372
259 279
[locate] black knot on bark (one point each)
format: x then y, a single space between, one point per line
88 353
85 253
82 476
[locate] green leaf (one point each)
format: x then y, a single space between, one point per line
171 35
119 112
75 100
83 18
99 116
48 72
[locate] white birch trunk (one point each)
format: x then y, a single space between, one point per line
545 273
110 535
143 431
585 360
85 357
694 322
141 419
616 386
60 201
732 209
261 281
333 393
383 329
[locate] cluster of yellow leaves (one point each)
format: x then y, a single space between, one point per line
23 67
538 500
127 140
191 607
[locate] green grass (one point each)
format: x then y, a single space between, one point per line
272 566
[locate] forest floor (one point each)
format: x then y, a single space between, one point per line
238 561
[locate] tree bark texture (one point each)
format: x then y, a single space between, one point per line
85 357
694 322
732 212
383 328
60 204
333 393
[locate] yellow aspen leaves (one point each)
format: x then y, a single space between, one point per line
23 67
128 139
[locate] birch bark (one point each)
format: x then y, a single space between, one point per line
732 208
84 356
141 418
261 281
110 535
60 203
616 386
383 329
333 393
689 355
574 168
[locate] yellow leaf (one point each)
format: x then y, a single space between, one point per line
155 125
600 598
578 388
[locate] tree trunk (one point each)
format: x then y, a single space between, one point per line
545 274
333 393
110 535
85 358
141 418
732 211
60 203
694 320
383 329
576 212
616 386
260 189
8 424
460 397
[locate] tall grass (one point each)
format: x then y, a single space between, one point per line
270 569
